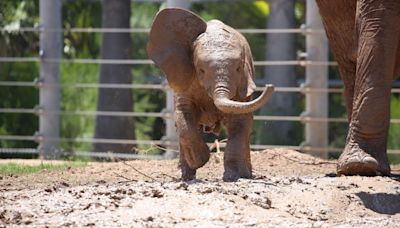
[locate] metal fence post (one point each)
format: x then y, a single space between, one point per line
50 48
316 77
170 123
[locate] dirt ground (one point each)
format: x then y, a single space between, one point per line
290 189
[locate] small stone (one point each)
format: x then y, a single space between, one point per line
64 184
157 193
150 219
183 186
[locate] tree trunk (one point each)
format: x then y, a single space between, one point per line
115 14
280 46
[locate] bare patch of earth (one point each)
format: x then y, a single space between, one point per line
290 189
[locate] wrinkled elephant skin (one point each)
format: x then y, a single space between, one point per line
365 38
210 68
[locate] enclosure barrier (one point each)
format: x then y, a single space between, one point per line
310 91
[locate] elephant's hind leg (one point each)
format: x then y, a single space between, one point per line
396 74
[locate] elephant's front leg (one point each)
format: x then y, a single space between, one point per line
338 17
194 152
237 163
378 32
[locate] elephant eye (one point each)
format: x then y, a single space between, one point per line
202 71
238 69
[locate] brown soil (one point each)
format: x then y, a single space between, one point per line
290 189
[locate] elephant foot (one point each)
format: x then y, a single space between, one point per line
188 174
235 171
191 160
356 161
196 158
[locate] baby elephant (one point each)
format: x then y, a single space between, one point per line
210 68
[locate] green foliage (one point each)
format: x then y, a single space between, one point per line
87 45
19 13
18 97
146 100
81 14
299 10
13 168
13 15
262 6
337 131
78 99
394 130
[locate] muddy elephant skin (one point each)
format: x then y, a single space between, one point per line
365 39
209 67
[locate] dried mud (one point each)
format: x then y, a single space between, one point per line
290 189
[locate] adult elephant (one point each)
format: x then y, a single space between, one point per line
365 39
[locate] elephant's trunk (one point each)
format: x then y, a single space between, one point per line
226 105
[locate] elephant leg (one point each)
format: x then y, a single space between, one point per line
194 152
397 67
338 17
378 31
237 163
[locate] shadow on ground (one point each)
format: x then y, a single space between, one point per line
382 203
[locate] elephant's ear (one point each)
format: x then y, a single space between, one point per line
170 45
248 85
